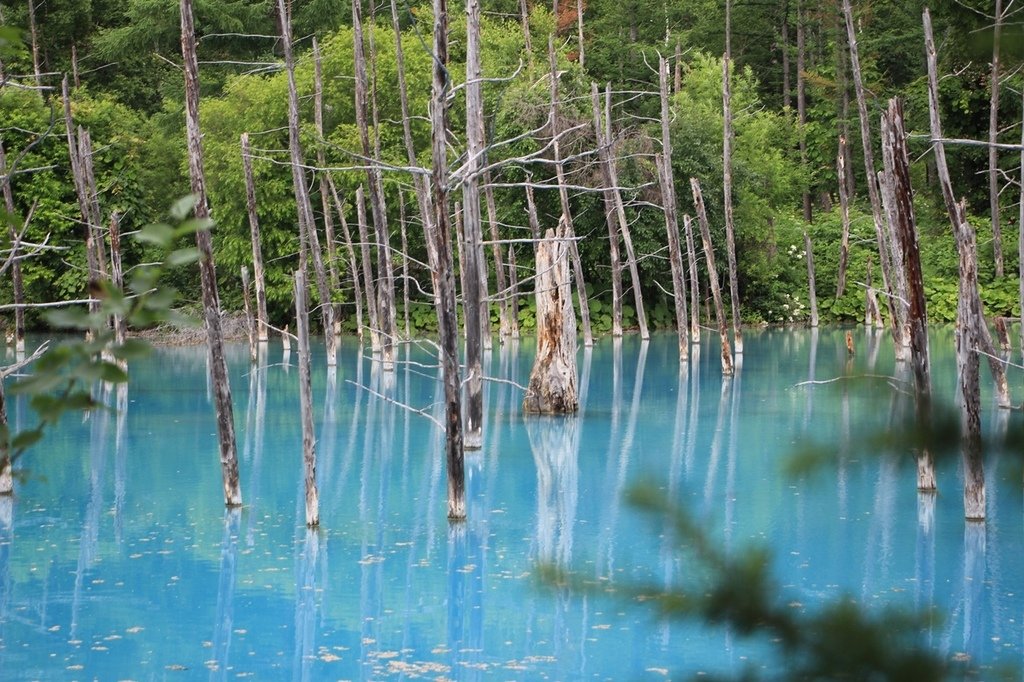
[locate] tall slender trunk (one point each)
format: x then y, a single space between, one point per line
569 231
716 292
440 235
506 320
691 256
1020 222
325 198
306 402
668 202
353 266
208 274
33 32
369 284
524 20
730 227
117 278
254 235
844 214
787 96
993 138
405 264
579 31
801 105
811 287
16 279
609 213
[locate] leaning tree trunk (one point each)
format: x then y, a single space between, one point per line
306 402
208 274
730 228
609 213
691 257
668 202
716 292
440 236
16 279
897 174
257 250
552 387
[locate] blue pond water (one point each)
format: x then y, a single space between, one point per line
118 560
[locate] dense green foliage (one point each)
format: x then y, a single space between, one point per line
131 100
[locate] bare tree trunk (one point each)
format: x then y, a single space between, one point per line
117 279
369 286
579 31
16 279
405 264
6 473
325 199
1020 225
563 196
251 324
609 213
506 296
37 70
871 179
307 224
385 309
620 211
472 250
74 66
440 235
898 173
668 202
716 292
787 97
204 241
524 19
993 138
552 388
353 267
730 228
306 402
677 80
691 255
531 214
257 250
844 213
93 199
898 279
1002 333
872 311
801 105
811 288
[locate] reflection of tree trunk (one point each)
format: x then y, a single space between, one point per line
716 446
306 606
89 542
974 588
924 554
120 459
555 444
223 627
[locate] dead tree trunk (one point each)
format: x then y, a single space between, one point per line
307 224
844 213
440 236
325 198
1020 226
405 264
691 256
620 211
251 323
16 279
524 20
579 31
801 105
730 228
508 324
211 299
1002 333
668 202
369 285
117 278
993 138
716 292
898 174
37 70
871 179
353 267
385 308
787 97
872 312
306 402
811 288
552 388
257 250
472 249
6 473
609 213
563 196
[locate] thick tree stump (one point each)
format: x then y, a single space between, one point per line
552 388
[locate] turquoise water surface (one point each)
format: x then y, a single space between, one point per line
119 561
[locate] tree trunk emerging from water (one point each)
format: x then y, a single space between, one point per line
251 323
440 236
716 292
609 213
257 250
894 144
322 177
369 286
844 213
811 287
204 241
730 228
668 202
993 138
691 256
306 402
353 267
16 279
552 388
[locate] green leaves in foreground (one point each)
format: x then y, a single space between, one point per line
63 377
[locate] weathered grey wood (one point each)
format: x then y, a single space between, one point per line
898 174
262 330
33 32
93 198
440 235
117 278
677 81
524 20
716 292
691 257
405 264
668 203
730 227
307 224
325 197
17 282
872 312
898 282
353 267
552 387
472 246
844 214
1020 225
204 241
306 402
884 253
508 322
811 287
251 324
569 231
993 138
787 96
801 106
579 33
609 214
369 285
384 309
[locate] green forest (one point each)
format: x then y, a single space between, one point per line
792 99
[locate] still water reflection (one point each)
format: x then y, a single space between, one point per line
118 561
